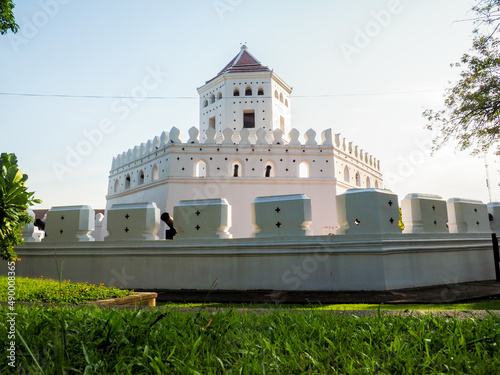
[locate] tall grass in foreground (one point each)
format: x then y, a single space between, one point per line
162 341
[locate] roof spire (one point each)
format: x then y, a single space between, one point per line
243 62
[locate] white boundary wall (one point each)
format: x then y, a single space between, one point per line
321 263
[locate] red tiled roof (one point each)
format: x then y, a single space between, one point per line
243 62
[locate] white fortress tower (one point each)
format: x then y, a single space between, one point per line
244 148
245 94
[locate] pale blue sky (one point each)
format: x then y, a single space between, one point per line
107 48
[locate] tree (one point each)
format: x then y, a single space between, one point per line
472 107
7 21
14 203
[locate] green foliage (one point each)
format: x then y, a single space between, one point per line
51 291
490 305
7 21
163 341
401 224
14 202
472 106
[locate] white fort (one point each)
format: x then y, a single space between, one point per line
245 148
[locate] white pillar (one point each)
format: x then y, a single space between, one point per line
133 222
28 230
283 215
494 217
467 216
202 219
424 213
69 223
368 211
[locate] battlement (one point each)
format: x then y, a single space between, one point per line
244 154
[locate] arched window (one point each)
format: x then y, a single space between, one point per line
268 170
248 91
116 186
304 170
276 94
236 92
156 172
205 103
286 102
236 169
346 174
141 177
376 184
368 183
281 98
212 98
201 169
358 179
261 91
219 96
127 182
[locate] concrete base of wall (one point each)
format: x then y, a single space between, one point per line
314 263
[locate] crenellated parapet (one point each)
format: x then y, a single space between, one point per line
355 166
242 154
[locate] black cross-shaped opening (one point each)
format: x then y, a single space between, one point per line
62 217
197 213
392 220
475 209
278 224
435 222
477 222
127 216
277 209
61 231
197 227
390 203
433 208
126 230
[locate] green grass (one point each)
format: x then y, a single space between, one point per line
493 304
88 340
52 291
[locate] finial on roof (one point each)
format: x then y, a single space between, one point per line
244 47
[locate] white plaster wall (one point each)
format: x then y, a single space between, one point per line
290 263
240 193
176 163
229 109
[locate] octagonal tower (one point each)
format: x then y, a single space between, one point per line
245 94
